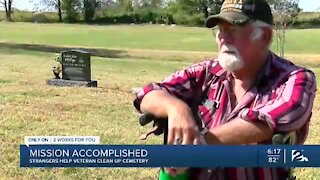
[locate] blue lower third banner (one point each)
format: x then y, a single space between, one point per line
168 156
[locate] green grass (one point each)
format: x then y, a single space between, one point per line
303 41
10 51
139 37
29 107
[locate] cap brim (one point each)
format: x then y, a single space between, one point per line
230 17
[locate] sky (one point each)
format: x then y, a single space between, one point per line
306 5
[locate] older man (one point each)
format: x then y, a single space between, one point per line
244 96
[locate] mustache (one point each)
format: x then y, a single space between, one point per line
229 58
228 49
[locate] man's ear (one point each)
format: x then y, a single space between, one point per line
267 35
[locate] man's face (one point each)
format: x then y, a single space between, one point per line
237 47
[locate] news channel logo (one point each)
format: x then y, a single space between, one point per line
298 156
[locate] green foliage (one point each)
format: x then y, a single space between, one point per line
23 16
147 3
71 9
43 18
125 5
49 4
308 19
285 11
20 16
125 19
146 15
58 59
89 7
138 16
315 22
181 18
193 12
206 7
181 12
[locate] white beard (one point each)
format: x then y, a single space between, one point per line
230 61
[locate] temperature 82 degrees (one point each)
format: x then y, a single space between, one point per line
273 155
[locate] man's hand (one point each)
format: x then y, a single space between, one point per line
182 126
182 130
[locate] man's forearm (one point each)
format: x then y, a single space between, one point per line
239 131
160 103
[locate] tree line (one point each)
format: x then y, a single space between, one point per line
181 12
190 12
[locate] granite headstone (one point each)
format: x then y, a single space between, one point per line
76 69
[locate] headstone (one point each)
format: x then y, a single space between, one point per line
76 65
76 69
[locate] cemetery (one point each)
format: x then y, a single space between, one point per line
77 73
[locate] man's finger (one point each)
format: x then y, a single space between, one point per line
189 135
171 136
180 170
171 171
178 138
196 140
188 138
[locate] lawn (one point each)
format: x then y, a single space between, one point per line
139 37
29 107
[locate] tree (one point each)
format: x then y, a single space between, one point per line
59 10
89 9
56 4
71 9
285 13
148 3
206 7
125 5
105 3
8 8
215 6
193 12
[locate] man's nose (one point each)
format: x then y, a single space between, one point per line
225 38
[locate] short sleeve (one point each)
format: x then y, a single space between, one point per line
291 110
